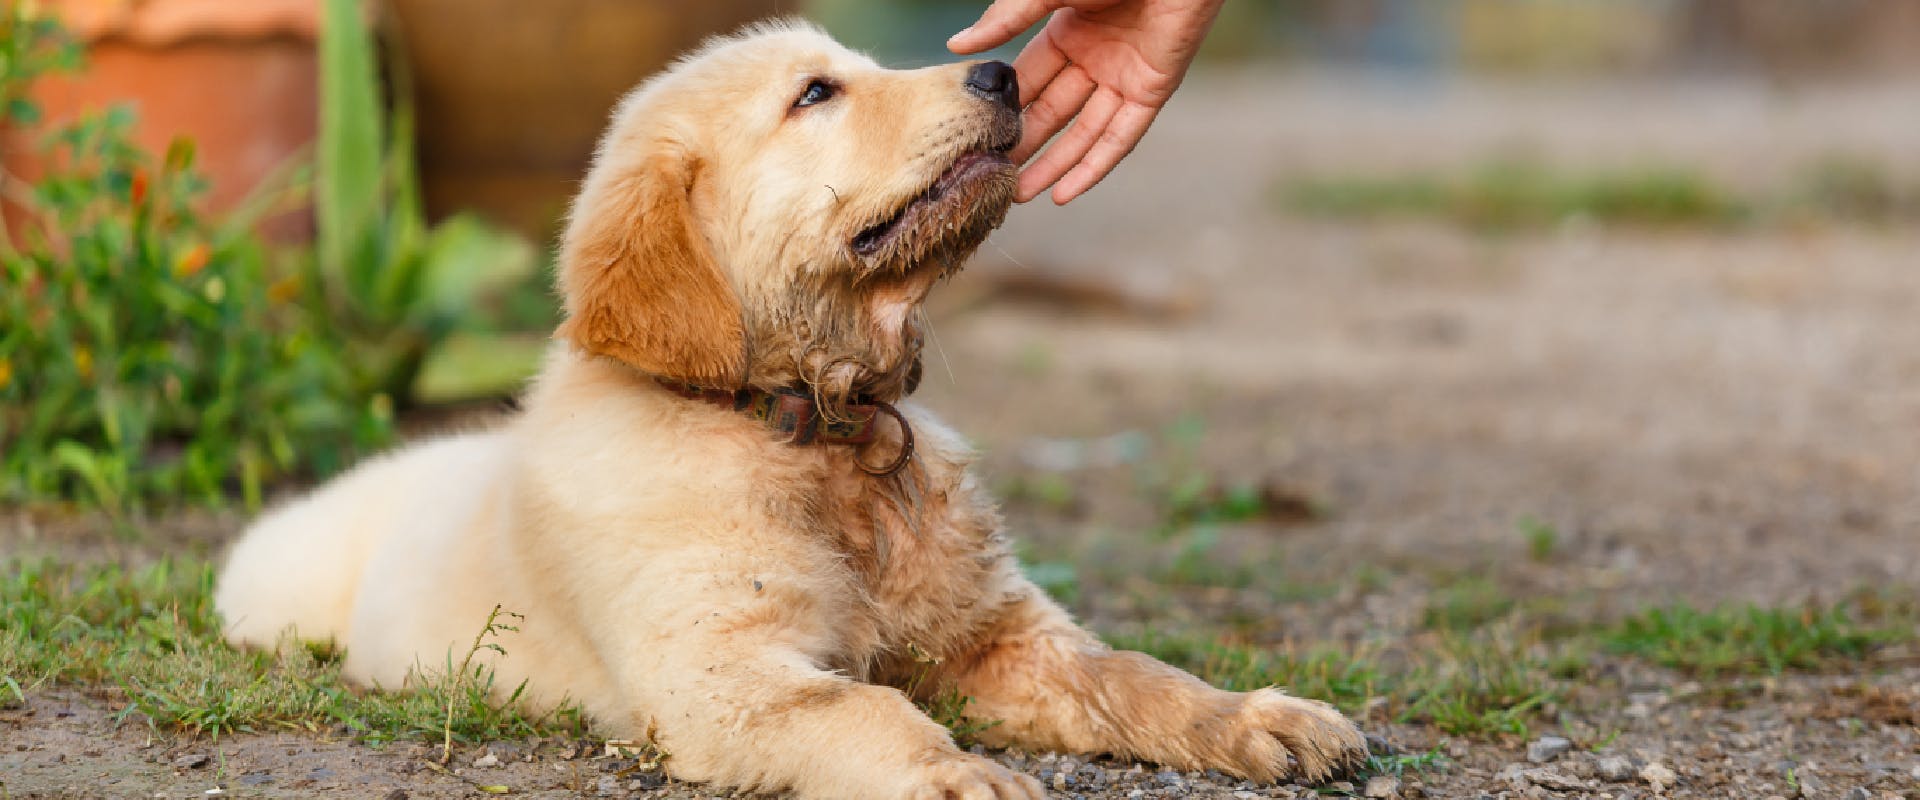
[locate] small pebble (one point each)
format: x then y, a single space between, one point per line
1548 748
1860 793
488 760
1383 787
1657 774
191 761
1614 768
397 794
1811 787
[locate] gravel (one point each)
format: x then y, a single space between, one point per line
1548 748
1616 769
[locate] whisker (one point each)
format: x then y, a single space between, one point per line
1009 256
926 321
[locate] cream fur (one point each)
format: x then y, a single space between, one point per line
748 603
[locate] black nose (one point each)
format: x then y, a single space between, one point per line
995 81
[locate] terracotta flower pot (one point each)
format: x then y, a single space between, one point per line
239 77
512 94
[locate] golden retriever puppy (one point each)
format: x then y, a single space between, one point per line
719 530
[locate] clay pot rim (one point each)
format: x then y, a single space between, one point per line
168 22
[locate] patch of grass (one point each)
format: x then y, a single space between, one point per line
153 634
1465 687
1059 579
1518 193
1854 187
1522 193
1198 499
1398 764
1196 563
1481 687
1543 540
1050 491
1750 640
1467 604
943 703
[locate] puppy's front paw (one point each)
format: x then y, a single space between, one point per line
970 777
1320 741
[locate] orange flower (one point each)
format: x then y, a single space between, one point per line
6 373
192 261
284 290
139 191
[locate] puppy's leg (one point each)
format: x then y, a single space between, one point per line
1054 686
749 709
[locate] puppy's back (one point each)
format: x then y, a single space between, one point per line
300 566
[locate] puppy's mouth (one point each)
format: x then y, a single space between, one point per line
948 218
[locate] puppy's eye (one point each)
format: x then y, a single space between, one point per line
817 92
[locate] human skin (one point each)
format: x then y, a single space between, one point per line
1108 66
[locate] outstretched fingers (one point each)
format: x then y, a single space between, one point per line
1001 22
1051 111
1038 64
1072 146
1117 138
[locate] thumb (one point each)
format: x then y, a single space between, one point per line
1001 22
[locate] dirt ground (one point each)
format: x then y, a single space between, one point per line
1707 415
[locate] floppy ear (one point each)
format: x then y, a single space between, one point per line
639 282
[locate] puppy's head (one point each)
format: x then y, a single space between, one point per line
773 209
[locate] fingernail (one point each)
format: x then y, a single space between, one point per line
958 36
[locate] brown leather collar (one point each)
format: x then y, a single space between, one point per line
798 415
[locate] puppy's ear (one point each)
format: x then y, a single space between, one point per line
639 282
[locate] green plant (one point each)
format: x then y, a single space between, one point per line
1751 640
470 678
154 633
1397 764
1542 538
1467 604
1481 686
391 285
1197 562
1348 680
30 46
1853 187
148 356
942 701
1059 579
1523 193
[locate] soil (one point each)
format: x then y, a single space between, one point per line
1709 415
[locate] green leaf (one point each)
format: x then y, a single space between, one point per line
466 260
348 196
23 111
73 457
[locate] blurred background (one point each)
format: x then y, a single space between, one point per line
1388 277
1409 317
1405 270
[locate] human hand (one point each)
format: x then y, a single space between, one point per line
1108 65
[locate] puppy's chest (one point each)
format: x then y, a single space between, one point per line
924 555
